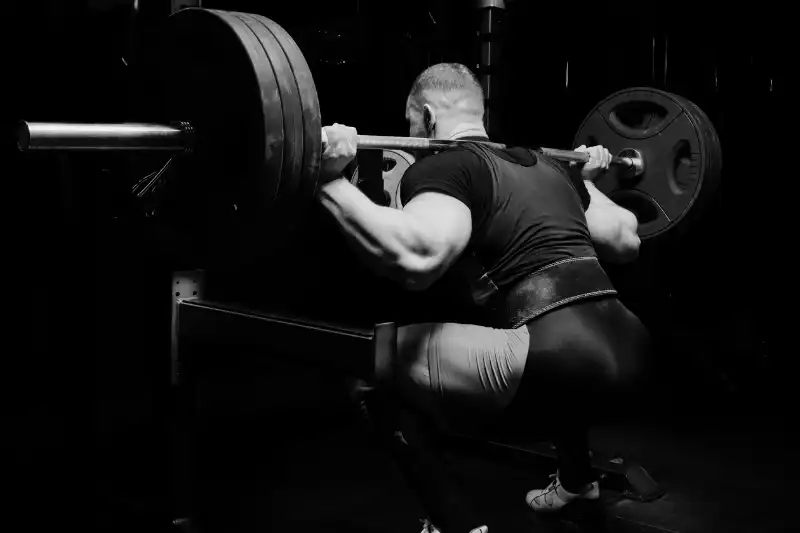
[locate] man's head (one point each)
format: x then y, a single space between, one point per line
445 100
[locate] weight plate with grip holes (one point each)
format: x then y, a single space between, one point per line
395 164
682 154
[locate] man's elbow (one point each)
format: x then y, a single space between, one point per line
627 248
618 252
616 237
419 273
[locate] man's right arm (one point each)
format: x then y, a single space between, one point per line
613 228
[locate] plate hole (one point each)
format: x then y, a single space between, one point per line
638 115
679 173
388 164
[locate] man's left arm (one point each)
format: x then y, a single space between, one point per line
414 246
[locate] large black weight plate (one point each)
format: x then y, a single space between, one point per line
395 164
312 121
680 147
290 103
217 76
243 193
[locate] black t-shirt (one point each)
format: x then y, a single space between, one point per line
527 211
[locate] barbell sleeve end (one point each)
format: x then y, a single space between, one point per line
637 164
188 137
123 136
622 161
632 159
23 136
634 164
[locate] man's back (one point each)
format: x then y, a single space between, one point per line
526 212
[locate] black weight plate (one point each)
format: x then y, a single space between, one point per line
217 77
289 97
395 164
312 121
680 148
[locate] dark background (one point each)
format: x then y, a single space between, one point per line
85 343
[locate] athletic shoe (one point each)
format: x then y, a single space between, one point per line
554 496
430 528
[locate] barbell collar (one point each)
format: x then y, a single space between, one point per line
177 137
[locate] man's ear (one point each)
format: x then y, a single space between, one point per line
428 118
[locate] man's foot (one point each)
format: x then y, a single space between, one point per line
428 527
554 496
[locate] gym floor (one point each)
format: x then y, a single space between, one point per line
310 469
316 469
725 477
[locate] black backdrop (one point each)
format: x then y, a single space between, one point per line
85 344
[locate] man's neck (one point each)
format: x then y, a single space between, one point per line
464 130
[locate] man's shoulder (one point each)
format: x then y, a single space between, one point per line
460 172
457 159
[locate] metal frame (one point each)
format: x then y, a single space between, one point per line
363 352
367 353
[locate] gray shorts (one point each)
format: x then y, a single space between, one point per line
446 366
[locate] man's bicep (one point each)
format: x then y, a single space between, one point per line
446 221
440 196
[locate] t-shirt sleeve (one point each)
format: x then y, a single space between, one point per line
451 173
580 187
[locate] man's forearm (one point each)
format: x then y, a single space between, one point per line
388 240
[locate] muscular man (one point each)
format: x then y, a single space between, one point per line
530 326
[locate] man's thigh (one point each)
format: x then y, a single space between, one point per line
451 370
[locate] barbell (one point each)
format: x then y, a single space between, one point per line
244 107
179 137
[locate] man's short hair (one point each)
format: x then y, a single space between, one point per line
445 77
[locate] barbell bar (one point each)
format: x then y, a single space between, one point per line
179 137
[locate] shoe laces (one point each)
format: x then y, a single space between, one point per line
428 527
552 488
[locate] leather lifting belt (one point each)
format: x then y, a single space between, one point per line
550 287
